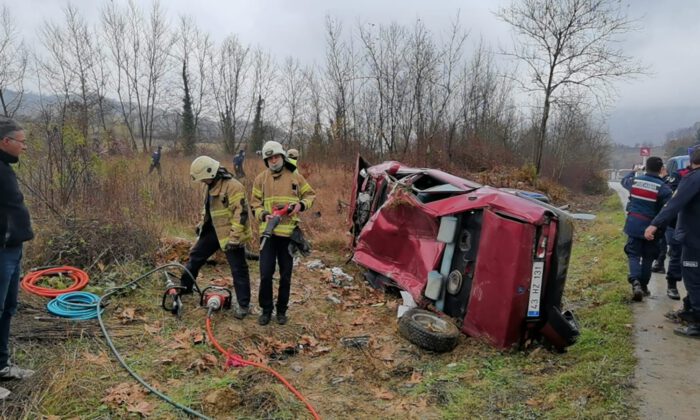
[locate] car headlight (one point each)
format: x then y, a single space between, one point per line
454 282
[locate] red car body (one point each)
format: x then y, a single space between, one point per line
501 271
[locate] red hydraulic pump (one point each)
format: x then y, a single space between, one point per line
216 298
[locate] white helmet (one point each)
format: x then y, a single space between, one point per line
293 153
272 148
203 168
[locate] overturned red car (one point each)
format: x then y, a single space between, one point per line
494 261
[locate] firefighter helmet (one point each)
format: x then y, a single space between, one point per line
272 148
293 154
203 168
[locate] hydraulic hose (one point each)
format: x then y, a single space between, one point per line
237 360
75 305
80 280
119 357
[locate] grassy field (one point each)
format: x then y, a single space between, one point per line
388 378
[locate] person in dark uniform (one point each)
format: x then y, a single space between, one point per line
673 274
238 164
155 160
648 194
685 205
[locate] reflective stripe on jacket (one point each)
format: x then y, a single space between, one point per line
228 208
648 193
272 190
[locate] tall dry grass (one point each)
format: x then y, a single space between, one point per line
127 211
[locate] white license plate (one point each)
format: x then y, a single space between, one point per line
533 307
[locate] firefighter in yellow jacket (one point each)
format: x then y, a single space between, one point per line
224 226
275 187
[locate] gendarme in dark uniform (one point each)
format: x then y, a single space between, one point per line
685 203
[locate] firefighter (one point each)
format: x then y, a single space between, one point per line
224 226
685 205
293 156
276 186
648 193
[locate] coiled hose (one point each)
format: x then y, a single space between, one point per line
80 280
75 305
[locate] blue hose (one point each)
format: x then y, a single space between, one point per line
75 305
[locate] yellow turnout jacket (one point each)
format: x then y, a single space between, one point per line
271 190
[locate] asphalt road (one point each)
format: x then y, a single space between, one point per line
667 377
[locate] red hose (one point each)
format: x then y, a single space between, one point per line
80 280
243 362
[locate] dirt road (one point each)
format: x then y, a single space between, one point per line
668 373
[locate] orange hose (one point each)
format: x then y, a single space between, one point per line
236 358
80 280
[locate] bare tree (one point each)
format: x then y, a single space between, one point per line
140 47
229 72
193 49
292 91
569 45
14 57
339 69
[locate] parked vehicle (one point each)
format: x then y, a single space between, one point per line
494 261
677 162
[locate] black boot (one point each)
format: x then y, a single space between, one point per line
282 318
672 290
637 292
264 318
690 331
645 290
658 268
240 312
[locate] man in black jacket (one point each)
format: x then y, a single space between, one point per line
686 204
15 229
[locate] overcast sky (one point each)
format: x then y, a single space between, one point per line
667 42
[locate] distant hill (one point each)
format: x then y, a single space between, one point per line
650 125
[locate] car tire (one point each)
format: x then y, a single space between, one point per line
427 330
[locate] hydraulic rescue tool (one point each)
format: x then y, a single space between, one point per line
172 295
216 298
277 214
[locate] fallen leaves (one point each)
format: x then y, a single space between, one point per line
127 315
101 359
153 328
184 339
130 394
204 363
144 408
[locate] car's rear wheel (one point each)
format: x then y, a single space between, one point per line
427 330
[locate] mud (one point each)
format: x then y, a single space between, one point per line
666 377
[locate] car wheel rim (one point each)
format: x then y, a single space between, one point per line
431 322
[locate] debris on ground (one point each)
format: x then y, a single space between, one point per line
339 277
333 299
355 342
315 265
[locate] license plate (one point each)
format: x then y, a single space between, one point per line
533 307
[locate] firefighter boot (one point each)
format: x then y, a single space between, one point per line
637 292
240 312
264 318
